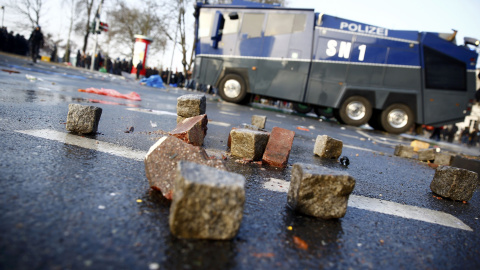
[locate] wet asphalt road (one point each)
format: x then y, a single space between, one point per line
67 207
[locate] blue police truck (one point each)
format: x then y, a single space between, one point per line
387 78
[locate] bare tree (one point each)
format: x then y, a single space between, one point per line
85 8
126 22
31 10
70 29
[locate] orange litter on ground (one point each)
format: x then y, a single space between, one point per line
111 93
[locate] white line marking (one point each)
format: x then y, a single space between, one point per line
359 148
229 113
151 111
76 140
215 123
387 207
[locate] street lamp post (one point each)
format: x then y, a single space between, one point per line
3 14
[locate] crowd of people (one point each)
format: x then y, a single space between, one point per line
13 43
448 133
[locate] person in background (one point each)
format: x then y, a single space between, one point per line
139 68
36 42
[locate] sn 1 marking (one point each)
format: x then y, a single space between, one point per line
344 49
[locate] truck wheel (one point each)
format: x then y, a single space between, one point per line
397 118
232 88
355 111
302 108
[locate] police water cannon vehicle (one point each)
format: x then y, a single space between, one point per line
390 79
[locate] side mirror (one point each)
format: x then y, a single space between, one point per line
471 41
217 28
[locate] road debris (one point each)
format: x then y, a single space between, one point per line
11 71
129 130
300 243
259 121
278 147
83 119
161 162
443 159
404 151
302 128
327 147
192 130
344 161
454 183
247 143
111 93
190 106
207 203
318 191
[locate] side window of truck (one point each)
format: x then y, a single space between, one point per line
205 24
252 24
281 23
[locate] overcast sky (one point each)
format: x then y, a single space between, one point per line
420 15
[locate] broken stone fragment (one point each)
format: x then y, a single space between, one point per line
83 119
426 154
327 147
319 191
207 203
192 130
246 143
404 151
454 183
443 159
161 162
191 105
259 121
278 147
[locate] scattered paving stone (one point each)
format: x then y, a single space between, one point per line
161 162
466 163
404 151
443 159
207 203
259 121
426 154
244 126
327 147
247 143
278 147
319 191
419 145
454 183
191 105
192 130
83 119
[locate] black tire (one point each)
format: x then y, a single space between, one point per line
323 111
355 111
375 121
336 114
302 108
232 88
397 118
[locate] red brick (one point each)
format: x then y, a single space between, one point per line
278 147
192 130
161 162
